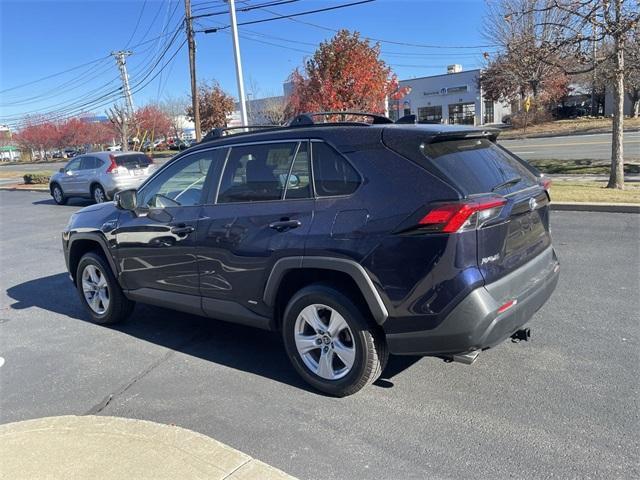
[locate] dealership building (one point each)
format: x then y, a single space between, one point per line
452 98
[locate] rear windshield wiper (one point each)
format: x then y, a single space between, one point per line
511 181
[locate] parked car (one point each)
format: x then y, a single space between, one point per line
180 145
353 240
99 175
114 148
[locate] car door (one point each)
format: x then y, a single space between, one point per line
262 212
86 173
156 243
68 181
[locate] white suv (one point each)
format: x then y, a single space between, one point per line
99 175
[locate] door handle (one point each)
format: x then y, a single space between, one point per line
284 225
182 230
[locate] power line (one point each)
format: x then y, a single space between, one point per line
54 75
247 9
280 17
144 4
391 42
106 98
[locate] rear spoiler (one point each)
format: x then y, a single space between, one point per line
488 133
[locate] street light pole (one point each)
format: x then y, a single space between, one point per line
236 52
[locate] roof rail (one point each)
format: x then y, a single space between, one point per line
305 119
225 131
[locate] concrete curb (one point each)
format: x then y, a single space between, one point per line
596 207
565 134
79 447
29 189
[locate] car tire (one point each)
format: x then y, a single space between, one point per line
58 194
98 194
339 362
94 274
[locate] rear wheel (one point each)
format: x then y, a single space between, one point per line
330 343
98 194
99 291
58 194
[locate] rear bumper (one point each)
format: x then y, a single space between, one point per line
116 184
475 322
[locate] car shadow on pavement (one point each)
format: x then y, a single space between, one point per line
235 346
72 202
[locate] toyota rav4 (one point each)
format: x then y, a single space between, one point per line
353 238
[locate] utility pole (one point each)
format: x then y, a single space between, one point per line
195 105
236 52
120 57
594 33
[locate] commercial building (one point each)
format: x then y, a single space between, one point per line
452 98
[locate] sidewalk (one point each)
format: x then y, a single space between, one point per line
81 447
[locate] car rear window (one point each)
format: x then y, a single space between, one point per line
478 166
133 160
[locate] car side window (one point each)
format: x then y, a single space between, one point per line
299 183
73 165
88 163
332 174
255 173
180 184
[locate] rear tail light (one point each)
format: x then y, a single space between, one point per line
545 182
462 216
113 168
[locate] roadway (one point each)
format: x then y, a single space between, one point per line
574 147
564 405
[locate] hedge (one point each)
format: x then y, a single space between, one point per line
36 177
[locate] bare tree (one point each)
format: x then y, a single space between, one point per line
118 116
576 25
272 111
174 107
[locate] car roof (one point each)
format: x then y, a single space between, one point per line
344 133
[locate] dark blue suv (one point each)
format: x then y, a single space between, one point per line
355 239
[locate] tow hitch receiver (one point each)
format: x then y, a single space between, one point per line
522 335
466 358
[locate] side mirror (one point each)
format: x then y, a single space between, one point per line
126 199
61 170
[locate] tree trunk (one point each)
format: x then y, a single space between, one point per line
616 177
124 136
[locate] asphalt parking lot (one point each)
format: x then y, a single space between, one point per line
564 405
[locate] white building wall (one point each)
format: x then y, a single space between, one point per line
608 103
459 89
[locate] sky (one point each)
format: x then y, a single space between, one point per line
70 41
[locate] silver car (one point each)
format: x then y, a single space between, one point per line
99 175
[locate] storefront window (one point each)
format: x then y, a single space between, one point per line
488 111
430 114
462 113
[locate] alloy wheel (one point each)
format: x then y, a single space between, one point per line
325 342
98 195
95 289
57 194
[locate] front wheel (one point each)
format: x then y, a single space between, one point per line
58 195
330 343
99 291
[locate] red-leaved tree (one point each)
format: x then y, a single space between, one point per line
345 73
151 122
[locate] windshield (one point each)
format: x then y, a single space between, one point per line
478 166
